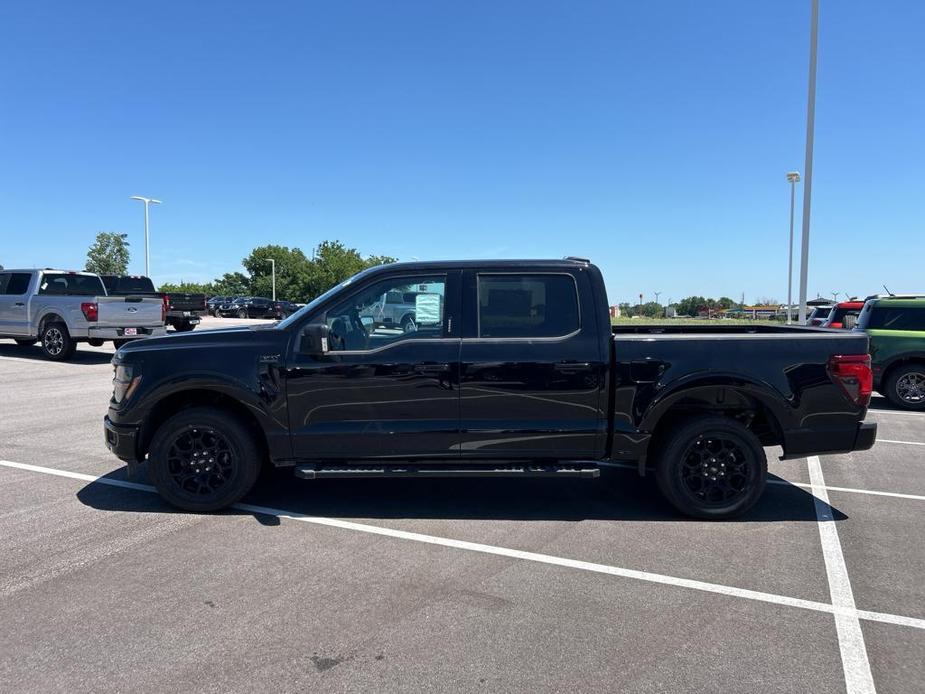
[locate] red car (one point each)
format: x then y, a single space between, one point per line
844 315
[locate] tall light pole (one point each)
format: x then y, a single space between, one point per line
794 178
273 261
146 201
808 165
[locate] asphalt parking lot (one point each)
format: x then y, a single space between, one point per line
445 585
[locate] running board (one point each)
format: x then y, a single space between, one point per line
314 472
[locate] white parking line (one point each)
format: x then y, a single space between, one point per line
897 412
647 576
905 443
855 662
896 495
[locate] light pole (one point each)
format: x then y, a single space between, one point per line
146 201
808 166
793 177
273 266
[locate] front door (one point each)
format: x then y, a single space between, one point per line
531 367
383 390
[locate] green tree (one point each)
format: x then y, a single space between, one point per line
231 284
293 272
187 287
333 263
109 254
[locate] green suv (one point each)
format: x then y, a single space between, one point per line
896 326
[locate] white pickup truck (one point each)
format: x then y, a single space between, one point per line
59 308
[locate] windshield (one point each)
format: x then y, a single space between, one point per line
318 300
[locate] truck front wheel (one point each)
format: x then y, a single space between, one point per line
57 343
203 459
711 467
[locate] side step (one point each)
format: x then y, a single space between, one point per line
321 471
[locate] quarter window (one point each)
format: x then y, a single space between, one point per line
527 306
897 318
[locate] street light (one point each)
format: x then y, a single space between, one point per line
146 201
273 261
793 177
808 166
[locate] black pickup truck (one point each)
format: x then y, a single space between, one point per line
512 369
182 310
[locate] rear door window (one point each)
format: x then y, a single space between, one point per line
14 282
527 305
68 284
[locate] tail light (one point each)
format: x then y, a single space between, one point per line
91 311
853 375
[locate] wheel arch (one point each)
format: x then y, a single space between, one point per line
754 404
177 401
899 361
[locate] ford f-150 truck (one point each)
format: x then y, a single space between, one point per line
183 310
59 308
512 369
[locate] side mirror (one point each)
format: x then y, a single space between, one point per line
314 339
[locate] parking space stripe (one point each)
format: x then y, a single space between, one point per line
855 663
647 576
905 443
895 495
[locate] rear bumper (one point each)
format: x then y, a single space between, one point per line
100 333
804 442
121 440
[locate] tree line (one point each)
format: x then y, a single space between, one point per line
689 306
298 277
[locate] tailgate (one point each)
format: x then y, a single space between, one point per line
129 311
186 302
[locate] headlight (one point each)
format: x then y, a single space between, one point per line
124 381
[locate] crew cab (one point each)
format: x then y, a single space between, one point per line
182 310
59 308
513 369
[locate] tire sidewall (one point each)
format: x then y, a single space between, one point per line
669 459
240 441
68 345
893 381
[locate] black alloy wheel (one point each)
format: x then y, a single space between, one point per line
711 467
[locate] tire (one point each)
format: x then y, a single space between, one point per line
57 343
183 326
905 387
407 324
25 342
226 444
95 342
242 313
692 468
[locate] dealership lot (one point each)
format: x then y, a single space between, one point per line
445 584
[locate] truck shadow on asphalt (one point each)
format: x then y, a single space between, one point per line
618 495
81 357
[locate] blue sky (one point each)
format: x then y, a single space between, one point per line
652 137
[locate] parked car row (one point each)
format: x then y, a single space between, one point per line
895 325
249 307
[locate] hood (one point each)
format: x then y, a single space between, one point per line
235 336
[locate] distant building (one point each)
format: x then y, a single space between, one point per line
614 311
753 312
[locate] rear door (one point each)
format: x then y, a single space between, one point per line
531 367
14 303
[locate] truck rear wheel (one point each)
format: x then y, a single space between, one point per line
711 467
203 459
57 343
905 386
183 326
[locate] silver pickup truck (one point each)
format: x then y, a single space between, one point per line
60 308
